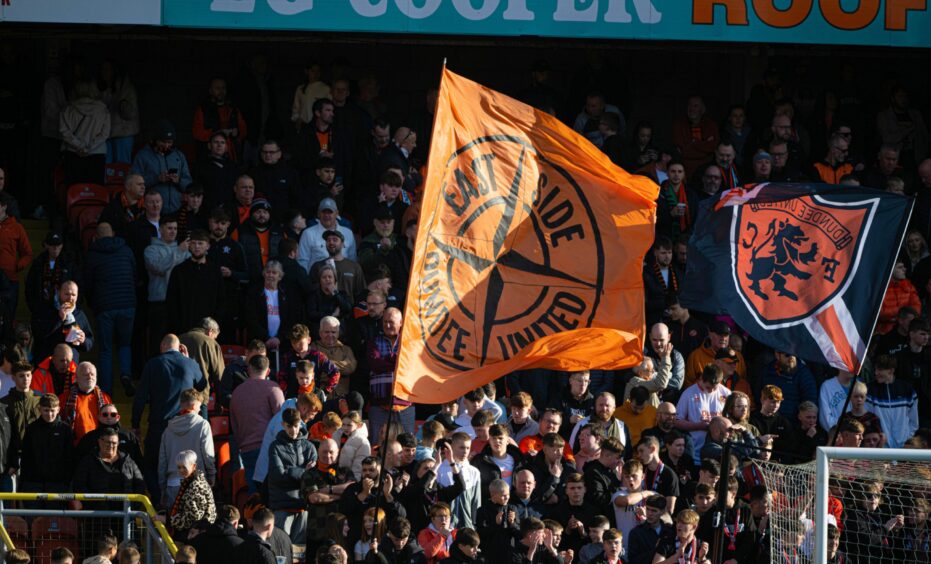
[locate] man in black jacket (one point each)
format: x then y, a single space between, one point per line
256 549
46 460
70 325
259 238
46 273
227 253
108 471
361 495
109 418
195 289
275 179
216 172
601 479
398 546
218 544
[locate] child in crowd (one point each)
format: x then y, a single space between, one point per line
371 535
594 550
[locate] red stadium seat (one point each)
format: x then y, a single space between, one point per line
18 530
82 197
220 426
54 527
232 352
115 174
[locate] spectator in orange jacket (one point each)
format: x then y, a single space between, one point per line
900 293
15 251
696 135
439 535
55 374
81 405
216 113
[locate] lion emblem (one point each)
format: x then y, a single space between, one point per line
779 255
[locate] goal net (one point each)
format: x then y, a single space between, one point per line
868 505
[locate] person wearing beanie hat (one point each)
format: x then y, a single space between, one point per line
762 166
163 167
259 238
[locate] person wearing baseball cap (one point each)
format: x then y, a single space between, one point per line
164 168
381 245
727 361
350 277
313 246
45 275
259 238
719 333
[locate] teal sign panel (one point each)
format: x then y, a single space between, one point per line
900 23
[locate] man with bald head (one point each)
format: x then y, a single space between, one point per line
163 379
382 356
661 350
321 487
719 429
56 373
81 405
665 423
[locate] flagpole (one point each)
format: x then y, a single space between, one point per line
869 339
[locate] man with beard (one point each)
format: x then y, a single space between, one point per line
724 155
381 245
216 172
660 279
229 256
259 239
351 278
365 159
109 418
665 424
794 379
195 289
164 168
276 179
217 115
605 404
718 339
313 245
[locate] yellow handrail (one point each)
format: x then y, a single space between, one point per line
132 498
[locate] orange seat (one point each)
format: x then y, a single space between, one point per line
18 530
220 426
42 553
239 482
115 173
233 352
54 527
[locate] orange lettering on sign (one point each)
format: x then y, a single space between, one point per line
861 17
735 11
792 16
897 12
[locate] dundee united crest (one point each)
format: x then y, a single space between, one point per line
793 257
513 254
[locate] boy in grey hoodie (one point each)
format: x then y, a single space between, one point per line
185 431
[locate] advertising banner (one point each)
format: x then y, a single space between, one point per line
141 12
843 22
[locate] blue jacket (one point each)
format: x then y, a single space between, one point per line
796 388
111 275
163 379
150 164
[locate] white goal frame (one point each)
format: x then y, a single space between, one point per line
823 459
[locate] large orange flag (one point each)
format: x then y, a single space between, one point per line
528 253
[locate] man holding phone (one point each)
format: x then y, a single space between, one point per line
164 168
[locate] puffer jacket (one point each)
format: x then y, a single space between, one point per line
354 451
900 293
287 460
85 126
186 432
111 275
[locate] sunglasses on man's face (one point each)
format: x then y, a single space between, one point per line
110 415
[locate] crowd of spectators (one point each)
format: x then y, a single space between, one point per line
294 242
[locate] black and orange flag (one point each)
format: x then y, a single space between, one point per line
528 253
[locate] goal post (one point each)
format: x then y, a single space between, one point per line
899 467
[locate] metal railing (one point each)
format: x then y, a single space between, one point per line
53 525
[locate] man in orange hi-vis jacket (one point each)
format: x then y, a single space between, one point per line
528 251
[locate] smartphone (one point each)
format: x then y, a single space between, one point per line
172 171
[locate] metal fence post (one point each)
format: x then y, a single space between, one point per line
127 528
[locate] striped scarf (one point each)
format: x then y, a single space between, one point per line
70 410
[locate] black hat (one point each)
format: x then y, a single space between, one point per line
383 212
259 204
333 233
165 131
726 354
720 328
54 239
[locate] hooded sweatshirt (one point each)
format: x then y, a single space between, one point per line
189 431
85 126
160 259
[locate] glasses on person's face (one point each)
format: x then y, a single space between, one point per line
109 414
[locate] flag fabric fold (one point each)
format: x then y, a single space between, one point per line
528 250
802 268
